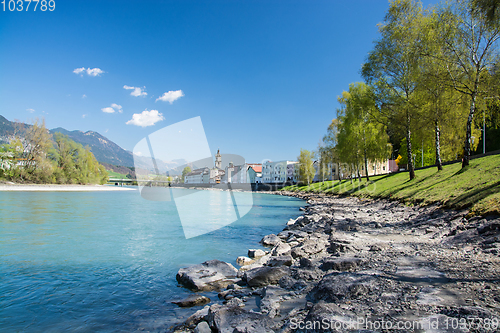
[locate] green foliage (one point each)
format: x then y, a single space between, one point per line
306 166
75 164
394 67
361 138
487 10
185 171
476 187
32 156
7 161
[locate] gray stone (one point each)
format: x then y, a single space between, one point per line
210 275
229 319
263 276
193 300
270 240
256 253
336 287
198 316
243 261
333 318
280 261
202 327
340 245
306 263
289 283
379 247
309 247
270 302
281 249
341 264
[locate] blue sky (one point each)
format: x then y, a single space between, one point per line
264 76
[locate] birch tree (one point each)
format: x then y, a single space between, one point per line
394 65
470 47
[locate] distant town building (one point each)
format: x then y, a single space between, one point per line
255 173
206 175
279 172
198 176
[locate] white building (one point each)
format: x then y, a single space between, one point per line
198 176
278 172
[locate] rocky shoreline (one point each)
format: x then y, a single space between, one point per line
352 265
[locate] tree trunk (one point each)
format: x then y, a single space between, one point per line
411 168
438 146
468 134
366 167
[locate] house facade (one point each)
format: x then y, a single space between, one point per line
278 172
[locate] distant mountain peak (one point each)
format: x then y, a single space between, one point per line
104 150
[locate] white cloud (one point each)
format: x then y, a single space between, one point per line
94 71
146 118
84 115
79 70
30 110
111 109
170 96
84 96
136 91
117 107
108 110
90 71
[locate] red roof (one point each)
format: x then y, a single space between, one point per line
256 168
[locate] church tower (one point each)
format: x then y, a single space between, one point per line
218 160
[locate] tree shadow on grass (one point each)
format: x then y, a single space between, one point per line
470 197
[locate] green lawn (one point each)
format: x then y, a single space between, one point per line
476 187
113 174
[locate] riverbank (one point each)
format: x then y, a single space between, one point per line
350 264
476 187
12 187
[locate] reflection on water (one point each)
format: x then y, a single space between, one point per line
106 261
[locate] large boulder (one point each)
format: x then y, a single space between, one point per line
280 261
243 261
281 249
256 253
202 327
210 275
271 299
332 319
263 276
336 287
341 264
270 240
230 319
193 300
309 247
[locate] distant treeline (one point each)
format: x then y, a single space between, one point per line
34 155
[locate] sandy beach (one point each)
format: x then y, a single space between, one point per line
61 188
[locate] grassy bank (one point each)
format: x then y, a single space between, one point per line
477 187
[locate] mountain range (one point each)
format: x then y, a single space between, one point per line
104 150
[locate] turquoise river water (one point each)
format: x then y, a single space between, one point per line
106 261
